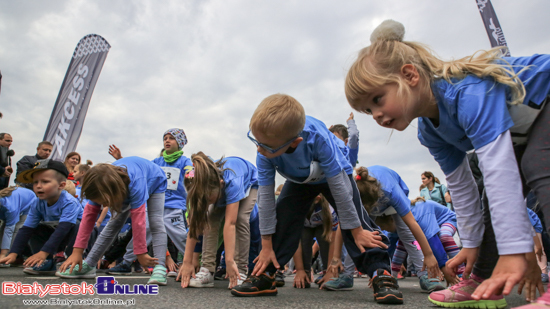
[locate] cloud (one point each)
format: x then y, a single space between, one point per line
205 65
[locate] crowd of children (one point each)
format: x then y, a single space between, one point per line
183 216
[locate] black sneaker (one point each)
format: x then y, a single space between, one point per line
220 274
386 289
262 285
279 279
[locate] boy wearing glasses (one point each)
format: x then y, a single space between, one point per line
313 160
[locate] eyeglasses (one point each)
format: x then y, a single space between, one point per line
269 149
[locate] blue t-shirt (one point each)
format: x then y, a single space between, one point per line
353 155
239 177
473 111
319 145
175 199
66 209
431 215
394 191
146 178
535 221
16 205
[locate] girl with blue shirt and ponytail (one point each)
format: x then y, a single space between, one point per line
174 164
487 103
227 187
384 193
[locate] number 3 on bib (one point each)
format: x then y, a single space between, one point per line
172 177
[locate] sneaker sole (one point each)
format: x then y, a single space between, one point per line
492 304
337 289
157 282
39 273
208 285
118 273
254 294
389 299
279 284
435 289
87 276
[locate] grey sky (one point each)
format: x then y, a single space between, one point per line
205 65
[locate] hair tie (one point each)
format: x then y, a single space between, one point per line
358 177
190 172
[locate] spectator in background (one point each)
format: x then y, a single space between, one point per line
433 190
43 151
5 169
71 160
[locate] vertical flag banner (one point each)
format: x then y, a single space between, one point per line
494 31
72 102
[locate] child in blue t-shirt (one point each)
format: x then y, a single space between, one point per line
350 136
383 192
52 221
15 203
126 185
302 149
174 164
487 103
227 187
424 209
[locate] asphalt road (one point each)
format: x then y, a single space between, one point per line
173 296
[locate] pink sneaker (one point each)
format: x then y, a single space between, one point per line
542 302
460 296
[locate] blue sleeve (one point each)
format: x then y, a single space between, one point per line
482 111
234 190
535 221
70 212
400 202
34 217
21 239
326 154
353 156
266 171
448 156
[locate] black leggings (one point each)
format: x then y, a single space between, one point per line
535 162
293 206
307 244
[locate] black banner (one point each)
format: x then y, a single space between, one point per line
494 31
72 102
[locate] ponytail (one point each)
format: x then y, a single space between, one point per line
369 188
418 199
205 182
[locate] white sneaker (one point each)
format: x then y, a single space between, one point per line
204 279
240 280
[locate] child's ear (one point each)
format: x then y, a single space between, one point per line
296 142
410 74
346 141
62 185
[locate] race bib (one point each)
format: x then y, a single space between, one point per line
172 177
315 174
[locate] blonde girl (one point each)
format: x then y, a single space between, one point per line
483 102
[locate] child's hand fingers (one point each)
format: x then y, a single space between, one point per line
508 286
381 244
